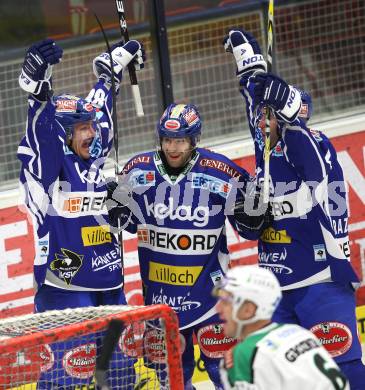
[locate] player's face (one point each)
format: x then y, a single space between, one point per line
273 127
82 137
177 150
224 310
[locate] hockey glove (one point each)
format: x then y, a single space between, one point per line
122 55
118 198
35 77
250 212
246 51
272 91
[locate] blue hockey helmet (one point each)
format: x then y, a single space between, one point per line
180 121
72 109
307 107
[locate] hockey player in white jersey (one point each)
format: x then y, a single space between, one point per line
269 355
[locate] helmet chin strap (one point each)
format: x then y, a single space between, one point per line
241 323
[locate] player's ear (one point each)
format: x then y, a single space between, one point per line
247 310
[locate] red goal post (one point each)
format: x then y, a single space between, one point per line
59 348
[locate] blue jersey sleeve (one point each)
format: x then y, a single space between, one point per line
310 158
101 96
41 151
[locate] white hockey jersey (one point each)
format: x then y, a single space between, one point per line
282 357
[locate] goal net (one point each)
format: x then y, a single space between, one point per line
62 349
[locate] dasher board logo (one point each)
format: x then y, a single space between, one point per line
95 235
180 242
67 264
213 342
79 362
336 337
211 183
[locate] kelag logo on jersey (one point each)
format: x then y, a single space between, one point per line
188 242
142 178
198 215
213 184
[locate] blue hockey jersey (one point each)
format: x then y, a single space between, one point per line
308 240
180 223
65 195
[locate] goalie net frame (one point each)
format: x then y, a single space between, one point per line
11 343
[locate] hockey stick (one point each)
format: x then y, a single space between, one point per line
115 127
132 71
269 59
110 341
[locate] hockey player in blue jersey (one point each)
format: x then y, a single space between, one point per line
307 245
77 258
180 197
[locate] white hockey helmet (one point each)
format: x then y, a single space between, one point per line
254 284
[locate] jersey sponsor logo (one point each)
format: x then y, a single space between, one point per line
316 134
299 349
271 260
319 252
220 166
67 264
277 151
134 161
95 235
340 225
46 357
110 260
190 242
91 176
83 204
345 247
336 337
172 274
294 204
216 276
213 342
80 362
199 215
179 303
211 183
142 178
275 236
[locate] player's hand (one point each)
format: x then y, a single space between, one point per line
249 210
246 51
118 198
37 66
271 90
122 54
